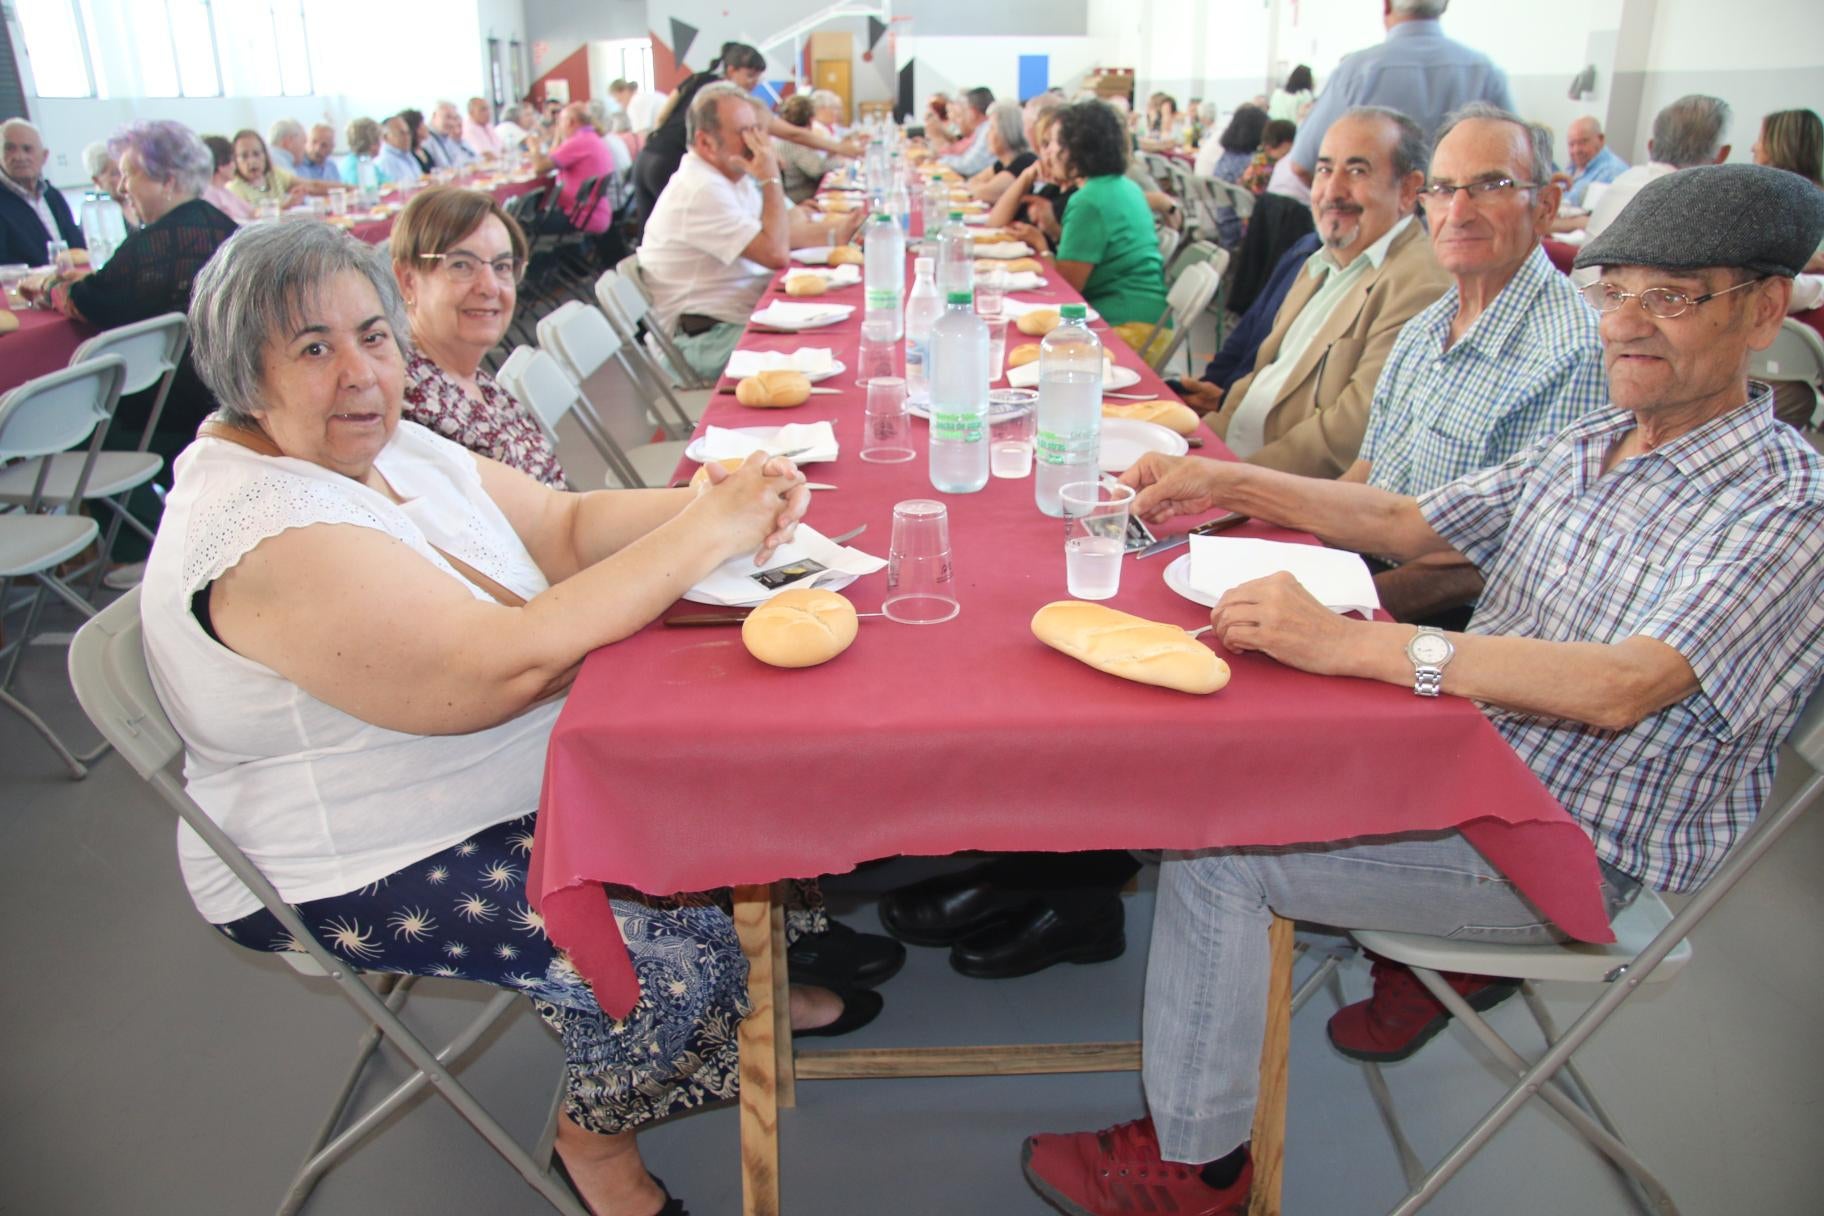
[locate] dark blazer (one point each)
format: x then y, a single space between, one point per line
22 234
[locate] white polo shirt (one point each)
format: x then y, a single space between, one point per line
690 254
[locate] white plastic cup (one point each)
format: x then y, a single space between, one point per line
886 436
921 579
1095 536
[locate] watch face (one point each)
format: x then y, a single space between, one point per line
1430 649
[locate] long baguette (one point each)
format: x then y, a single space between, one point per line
1147 652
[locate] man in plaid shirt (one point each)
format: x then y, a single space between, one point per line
1652 623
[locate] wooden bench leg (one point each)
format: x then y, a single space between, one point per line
783 1050
1269 1143
759 1058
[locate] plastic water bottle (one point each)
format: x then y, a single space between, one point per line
899 204
367 177
923 307
959 398
955 257
104 227
936 207
1068 446
884 257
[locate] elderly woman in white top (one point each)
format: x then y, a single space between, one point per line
826 112
364 632
1012 154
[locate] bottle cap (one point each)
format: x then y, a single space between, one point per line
881 215
965 298
1073 312
957 216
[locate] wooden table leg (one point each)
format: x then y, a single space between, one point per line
759 1061
1269 1143
783 1051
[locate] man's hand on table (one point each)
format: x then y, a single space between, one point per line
1276 616
760 503
1174 485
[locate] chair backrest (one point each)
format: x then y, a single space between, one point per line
60 409
620 296
1192 293
539 382
588 198
580 336
152 349
1168 243
629 268
1797 353
108 671
1218 193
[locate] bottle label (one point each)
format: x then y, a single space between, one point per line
1065 447
882 301
951 425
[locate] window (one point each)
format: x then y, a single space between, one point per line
54 46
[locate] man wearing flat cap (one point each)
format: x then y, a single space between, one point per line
1652 623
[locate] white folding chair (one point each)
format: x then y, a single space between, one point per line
1650 947
1185 302
584 341
108 671
626 307
1214 196
537 378
41 419
632 312
1797 355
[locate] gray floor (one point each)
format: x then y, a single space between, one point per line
150 1066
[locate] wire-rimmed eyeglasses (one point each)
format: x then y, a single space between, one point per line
1662 302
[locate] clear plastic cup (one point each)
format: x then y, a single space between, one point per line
877 356
1095 536
57 254
1012 417
886 436
338 202
997 345
990 291
921 580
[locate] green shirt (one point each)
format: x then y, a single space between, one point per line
1108 224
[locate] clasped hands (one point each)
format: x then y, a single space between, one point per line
761 502
1274 615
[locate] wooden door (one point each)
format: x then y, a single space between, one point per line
833 74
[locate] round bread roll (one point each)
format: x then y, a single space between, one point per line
8 321
774 390
1132 647
1172 415
701 476
806 285
993 238
1039 322
800 628
836 203
845 255
1028 352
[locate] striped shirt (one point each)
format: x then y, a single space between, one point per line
1712 544
1529 366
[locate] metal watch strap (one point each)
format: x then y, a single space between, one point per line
1428 681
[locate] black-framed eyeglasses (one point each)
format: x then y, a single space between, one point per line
1662 302
464 267
1443 192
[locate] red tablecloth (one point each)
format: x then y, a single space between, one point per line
375 231
43 343
680 763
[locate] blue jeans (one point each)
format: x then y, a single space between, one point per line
1206 978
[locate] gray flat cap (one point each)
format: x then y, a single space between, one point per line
1748 217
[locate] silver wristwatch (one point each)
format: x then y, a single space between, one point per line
1430 652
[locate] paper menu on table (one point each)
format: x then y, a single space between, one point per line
811 560
814 441
811 360
1337 579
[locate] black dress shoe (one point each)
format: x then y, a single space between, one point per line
672 1207
844 958
942 911
1036 937
859 1007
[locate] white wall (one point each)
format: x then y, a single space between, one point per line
951 64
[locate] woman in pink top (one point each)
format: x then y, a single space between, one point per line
578 154
218 194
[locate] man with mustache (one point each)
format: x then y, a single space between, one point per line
1507 357
1652 625
1304 407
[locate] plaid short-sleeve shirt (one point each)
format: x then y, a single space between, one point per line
1529 366
1712 544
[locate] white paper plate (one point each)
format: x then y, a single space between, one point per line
837 318
836 368
1005 250
1178 578
761 594
762 436
813 255
1011 308
1126 440
1116 377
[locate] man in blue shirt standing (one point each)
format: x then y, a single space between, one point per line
1590 158
1417 71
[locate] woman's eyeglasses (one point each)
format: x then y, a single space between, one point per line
465 267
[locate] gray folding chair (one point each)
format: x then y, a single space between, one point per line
1650 947
1797 355
631 312
108 670
40 420
1185 302
626 307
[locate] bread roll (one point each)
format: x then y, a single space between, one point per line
806 285
993 238
800 628
774 390
836 203
1039 322
701 476
1172 415
1016 265
1146 652
8 322
845 255
1028 352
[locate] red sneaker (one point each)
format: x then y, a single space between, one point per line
1401 1016
1118 1172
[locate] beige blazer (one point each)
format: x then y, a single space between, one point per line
1316 425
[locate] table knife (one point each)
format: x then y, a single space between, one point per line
1221 523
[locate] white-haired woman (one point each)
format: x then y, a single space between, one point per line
1012 154
364 632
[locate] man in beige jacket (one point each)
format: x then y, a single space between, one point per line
1304 407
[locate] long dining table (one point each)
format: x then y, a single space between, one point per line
680 763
